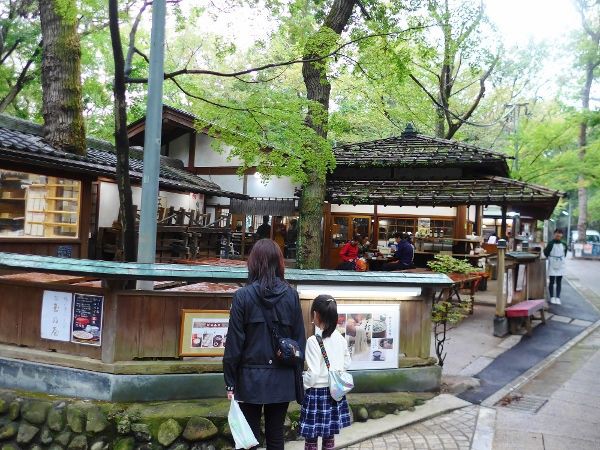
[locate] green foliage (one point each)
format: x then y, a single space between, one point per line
450 312
448 264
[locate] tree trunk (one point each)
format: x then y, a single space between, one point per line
583 126
318 89
61 76
121 138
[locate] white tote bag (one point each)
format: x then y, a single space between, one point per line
240 430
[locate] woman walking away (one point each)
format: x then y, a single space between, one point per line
321 415
250 366
556 252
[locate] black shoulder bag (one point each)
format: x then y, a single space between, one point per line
287 350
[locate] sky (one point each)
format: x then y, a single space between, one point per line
522 20
518 20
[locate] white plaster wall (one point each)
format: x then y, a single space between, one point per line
207 157
358 209
179 148
279 187
471 214
109 204
421 211
109 201
232 183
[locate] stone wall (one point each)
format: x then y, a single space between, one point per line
36 422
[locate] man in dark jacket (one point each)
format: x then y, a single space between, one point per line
404 255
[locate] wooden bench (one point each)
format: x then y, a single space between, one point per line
525 310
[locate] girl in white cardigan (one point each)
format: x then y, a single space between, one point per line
321 415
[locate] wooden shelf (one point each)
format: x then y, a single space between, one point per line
54 224
45 211
12 199
62 198
70 186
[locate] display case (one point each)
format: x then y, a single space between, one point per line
38 206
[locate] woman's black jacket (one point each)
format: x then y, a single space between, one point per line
249 364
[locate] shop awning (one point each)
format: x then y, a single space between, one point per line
535 200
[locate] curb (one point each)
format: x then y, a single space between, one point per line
359 431
485 429
539 367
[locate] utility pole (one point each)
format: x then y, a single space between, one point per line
515 112
152 141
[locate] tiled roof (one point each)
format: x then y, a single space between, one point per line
21 141
414 150
485 191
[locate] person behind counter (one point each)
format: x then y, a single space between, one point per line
349 254
404 255
264 230
364 246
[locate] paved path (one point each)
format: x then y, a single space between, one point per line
567 394
450 431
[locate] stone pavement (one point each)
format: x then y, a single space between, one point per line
557 409
449 431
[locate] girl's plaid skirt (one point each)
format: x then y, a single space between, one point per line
321 415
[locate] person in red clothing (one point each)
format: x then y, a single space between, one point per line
349 254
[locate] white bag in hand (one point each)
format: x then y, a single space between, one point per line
240 430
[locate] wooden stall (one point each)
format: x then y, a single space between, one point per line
138 327
434 189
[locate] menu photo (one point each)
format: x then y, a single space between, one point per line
372 333
86 325
203 333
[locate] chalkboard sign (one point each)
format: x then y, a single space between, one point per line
86 326
65 251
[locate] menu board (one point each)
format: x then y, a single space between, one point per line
56 316
372 333
86 327
203 333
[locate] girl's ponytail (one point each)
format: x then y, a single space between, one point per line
326 306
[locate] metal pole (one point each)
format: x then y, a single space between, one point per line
500 322
152 140
569 243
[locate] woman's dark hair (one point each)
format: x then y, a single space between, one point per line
326 306
265 264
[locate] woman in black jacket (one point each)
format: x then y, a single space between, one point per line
249 365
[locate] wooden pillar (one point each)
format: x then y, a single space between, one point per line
477 224
192 151
460 230
85 212
503 225
376 226
109 321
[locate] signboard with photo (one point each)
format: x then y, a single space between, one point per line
87 319
372 333
203 333
56 316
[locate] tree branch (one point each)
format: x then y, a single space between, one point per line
131 47
235 74
10 50
21 80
